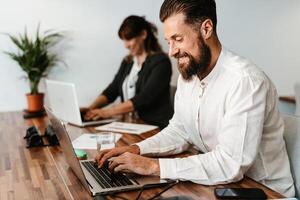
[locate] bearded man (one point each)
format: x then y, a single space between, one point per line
225 106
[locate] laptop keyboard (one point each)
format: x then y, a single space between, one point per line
105 178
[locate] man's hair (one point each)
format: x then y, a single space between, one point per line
195 11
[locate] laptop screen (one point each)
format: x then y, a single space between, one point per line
66 146
63 101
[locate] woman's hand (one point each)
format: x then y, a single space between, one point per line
84 110
96 114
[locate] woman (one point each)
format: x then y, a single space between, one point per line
143 79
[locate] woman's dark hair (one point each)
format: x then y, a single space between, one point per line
133 26
195 11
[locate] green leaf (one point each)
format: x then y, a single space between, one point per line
33 54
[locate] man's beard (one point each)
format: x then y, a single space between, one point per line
194 66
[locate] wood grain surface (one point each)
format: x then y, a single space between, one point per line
42 172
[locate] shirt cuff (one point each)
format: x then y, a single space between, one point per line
144 147
167 168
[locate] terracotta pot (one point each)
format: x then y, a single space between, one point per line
35 102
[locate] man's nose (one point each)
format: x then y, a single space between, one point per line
172 50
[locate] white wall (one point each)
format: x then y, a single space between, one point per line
92 50
264 31
268 33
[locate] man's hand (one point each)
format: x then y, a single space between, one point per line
108 153
129 162
96 114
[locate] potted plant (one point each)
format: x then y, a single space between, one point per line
35 58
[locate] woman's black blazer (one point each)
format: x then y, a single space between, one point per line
152 98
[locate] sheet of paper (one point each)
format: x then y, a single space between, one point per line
122 127
88 141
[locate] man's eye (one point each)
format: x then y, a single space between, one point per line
178 39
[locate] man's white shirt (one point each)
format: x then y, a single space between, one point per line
232 117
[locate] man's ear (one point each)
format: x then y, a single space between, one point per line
207 29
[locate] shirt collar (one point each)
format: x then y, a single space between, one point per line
216 68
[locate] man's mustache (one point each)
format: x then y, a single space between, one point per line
181 54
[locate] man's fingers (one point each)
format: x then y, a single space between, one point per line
120 160
113 164
122 168
115 152
108 155
100 156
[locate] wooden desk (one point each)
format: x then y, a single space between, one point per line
42 173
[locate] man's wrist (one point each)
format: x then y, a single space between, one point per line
155 167
135 149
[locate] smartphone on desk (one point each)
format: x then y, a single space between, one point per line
240 193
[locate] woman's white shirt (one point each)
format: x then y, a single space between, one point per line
129 83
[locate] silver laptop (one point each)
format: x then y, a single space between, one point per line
63 102
99 181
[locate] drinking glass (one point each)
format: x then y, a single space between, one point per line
104 138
